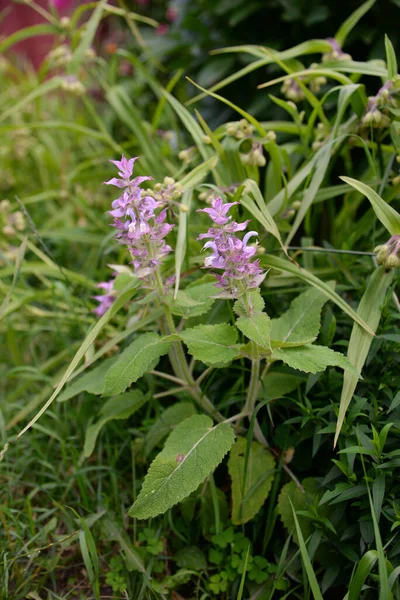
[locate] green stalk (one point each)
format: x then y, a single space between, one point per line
179 362
252 392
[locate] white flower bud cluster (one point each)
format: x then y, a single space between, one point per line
240 130
388 254
11 221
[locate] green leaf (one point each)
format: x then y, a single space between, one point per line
212 344
28 32
250 485
180 247
301 500
91 382
192 451
278 384
191 557
360 340
141 356
113 532
283 265
40 90
169 419
196 299
312 579
87 38
352 21
361 574
254 323
300 324
121 407
387 215
313 359
86 344
391 60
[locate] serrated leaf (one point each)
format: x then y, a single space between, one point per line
252 321
121 407
91 382
212 344
360 340
313 359
141 356
301 322
192 451
250 488
195 300
301 501
170 418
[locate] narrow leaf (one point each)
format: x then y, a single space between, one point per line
351 21
192 451
387 215
360 340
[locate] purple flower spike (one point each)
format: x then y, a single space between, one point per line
219 211
231 254
140 225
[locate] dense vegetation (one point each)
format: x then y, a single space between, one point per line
205 405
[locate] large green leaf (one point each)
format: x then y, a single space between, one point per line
141 356
388 216
360 340
192 451
301 322
120 407
312 359
252 321
286 266
169 419
301 500
196 299
251 479
212 344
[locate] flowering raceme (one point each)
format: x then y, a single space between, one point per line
139 226
230 254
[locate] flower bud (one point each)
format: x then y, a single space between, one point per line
392 261
169 181
231 129
377 116
239 134
271 136
183 155
396 180
183 208
207 139
296 204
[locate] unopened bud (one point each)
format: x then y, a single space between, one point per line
271 136
207 139
296 204
65 22
239 134
392 261
231 129
203 196
169 181
377 116
396 180
183 155
184 208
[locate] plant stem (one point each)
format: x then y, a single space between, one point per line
252 391
180 365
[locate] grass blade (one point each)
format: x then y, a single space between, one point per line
360 340
351 21
391 60
312 580
387 215
363 570
274 262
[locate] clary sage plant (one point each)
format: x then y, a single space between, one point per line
142 219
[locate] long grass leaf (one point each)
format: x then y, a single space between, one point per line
312 580
87 38
351 21
86 344
387 215
360 340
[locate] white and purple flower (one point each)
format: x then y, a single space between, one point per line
229 253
